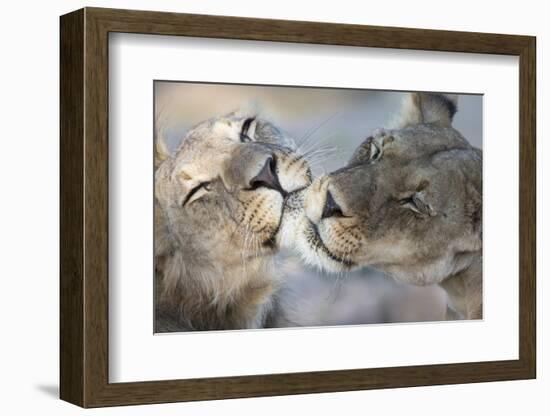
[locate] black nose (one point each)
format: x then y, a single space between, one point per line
331 209
267 177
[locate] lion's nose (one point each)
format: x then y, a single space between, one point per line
331 208
267 177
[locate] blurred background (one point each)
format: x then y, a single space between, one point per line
336 121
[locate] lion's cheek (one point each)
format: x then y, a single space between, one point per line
258 214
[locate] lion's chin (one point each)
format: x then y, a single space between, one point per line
291 218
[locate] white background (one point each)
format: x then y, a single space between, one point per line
314 349
29 217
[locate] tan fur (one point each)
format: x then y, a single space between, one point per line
214 250
409 203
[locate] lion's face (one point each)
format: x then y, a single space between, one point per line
408 202
223 192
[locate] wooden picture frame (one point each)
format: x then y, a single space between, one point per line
84 207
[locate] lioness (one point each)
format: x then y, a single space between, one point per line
409 203
219 203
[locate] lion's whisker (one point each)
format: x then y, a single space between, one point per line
307 138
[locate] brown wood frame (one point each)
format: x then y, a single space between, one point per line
84 208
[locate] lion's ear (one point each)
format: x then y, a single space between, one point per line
421 107
161 151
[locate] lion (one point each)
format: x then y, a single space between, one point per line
219 207
409 203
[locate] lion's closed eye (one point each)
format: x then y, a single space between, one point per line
196 193
417 203
247 130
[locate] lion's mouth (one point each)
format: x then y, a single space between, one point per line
316 243
291 203
271 241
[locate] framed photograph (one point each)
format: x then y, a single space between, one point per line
260 207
